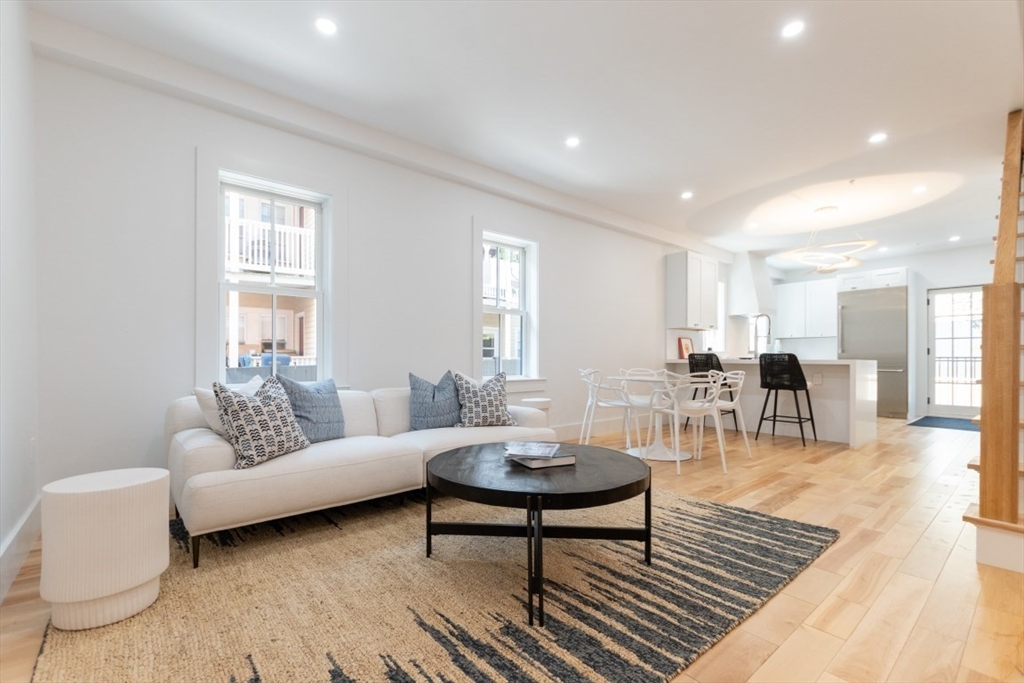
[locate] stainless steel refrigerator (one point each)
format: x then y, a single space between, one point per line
873 326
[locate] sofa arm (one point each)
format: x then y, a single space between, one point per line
193 452
528 417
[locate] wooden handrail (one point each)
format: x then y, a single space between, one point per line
1009 204
1001 350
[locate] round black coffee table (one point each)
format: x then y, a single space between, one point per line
481 474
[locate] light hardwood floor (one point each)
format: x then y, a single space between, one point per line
899 597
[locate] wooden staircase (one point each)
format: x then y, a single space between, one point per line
999 513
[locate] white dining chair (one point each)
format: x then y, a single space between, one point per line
688 403
601 395
729 391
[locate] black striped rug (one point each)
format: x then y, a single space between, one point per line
348 595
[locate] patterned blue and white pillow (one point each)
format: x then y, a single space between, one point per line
483 405
260 427
433 406
317 408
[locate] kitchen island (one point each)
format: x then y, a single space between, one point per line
844 396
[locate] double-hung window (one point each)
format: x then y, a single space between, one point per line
506 342
272 281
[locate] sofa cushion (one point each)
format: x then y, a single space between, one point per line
316 408
483 405
208 402
260 427
434 441
392 406
326 474
432 406
360 413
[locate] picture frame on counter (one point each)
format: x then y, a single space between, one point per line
685 347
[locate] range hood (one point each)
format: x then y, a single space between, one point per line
750 287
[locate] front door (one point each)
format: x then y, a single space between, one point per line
955 352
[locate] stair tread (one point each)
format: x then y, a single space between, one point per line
975 464
977 418
971 515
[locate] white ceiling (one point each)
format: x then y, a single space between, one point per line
665 96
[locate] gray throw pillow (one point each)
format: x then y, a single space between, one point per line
260 427
317 408
483 405
433 406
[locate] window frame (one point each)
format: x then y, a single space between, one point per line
529 306
274 192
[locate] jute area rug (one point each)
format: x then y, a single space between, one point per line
348 594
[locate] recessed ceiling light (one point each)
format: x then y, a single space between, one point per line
954 238
326 26
920 189
826 209
877 137
572 142
792 29
687 195
883 249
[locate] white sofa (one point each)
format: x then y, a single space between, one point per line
380 455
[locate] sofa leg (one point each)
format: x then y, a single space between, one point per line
195 551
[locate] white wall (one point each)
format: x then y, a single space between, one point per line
117 287
19 518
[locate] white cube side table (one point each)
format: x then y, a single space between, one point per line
105 544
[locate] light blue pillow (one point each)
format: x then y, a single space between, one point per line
432 406
316 407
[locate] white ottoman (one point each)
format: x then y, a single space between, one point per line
105 544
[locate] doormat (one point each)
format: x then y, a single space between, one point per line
946 423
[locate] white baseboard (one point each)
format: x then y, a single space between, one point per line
16 546
1000 548
571 432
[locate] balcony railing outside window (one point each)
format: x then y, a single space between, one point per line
255 246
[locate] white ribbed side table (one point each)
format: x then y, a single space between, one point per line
105 544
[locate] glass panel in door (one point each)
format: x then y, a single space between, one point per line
955 362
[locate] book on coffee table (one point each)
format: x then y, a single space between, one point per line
538 463
530 449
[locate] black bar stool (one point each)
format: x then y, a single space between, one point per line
782 372
706 362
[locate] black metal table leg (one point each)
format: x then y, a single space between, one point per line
539 556
647 526
529 555
428 521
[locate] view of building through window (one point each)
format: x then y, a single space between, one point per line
271 288
505 312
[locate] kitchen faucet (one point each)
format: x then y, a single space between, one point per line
758 349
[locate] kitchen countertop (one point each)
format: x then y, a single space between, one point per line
754 361
844 394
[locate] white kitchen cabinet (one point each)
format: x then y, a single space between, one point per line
822 308
790 317
889 277
872 279
691 291
805 309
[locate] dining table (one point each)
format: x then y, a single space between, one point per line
657 450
